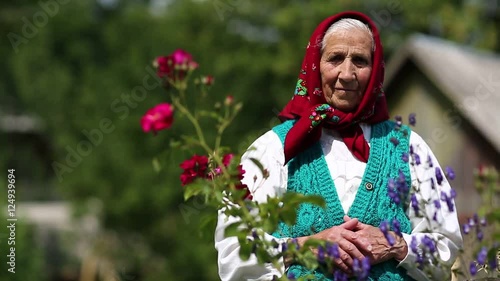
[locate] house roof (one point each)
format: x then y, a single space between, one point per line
469 78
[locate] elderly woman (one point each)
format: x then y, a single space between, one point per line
336 141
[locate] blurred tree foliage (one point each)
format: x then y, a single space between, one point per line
79 69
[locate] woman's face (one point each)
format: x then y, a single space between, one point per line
346 66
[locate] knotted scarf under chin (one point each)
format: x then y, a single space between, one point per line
307 130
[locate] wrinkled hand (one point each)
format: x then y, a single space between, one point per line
347 239
380 249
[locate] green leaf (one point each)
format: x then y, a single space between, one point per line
245 249
232 230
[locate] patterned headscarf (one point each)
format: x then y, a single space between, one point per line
309 106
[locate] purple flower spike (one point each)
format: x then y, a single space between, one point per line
473 268
480 235
482 255
339 276
449 173
414 245
439 176
333 251
284 247
321 254
396 227
412 119
384 227
429 243
466 228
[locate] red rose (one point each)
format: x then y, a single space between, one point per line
158 118
193 168
176 65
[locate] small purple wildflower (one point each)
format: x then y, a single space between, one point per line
340 276
414 245
466 228
396 227
412 119
480 235
333 251
405 157
414 203
284 247
361 268
482 255
321 254
394 141
473 268
392 191
449 173
429 243
384 227
439 176
493 262
255 235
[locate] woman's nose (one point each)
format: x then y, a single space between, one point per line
346 71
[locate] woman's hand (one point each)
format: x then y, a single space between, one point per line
347 239
380 250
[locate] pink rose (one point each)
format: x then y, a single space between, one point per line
158 118
176 65
193 168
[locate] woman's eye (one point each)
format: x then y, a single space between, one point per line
360 61
336 58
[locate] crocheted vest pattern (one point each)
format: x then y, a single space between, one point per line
308 174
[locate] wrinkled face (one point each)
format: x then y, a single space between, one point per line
346 66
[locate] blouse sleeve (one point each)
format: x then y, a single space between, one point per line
269 151
439 223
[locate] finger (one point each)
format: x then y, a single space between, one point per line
341 262
352 251
359 240
346 218
350 225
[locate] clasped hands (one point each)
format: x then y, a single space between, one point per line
357 240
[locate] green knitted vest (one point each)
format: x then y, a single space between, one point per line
308 174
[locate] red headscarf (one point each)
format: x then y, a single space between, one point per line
309 106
